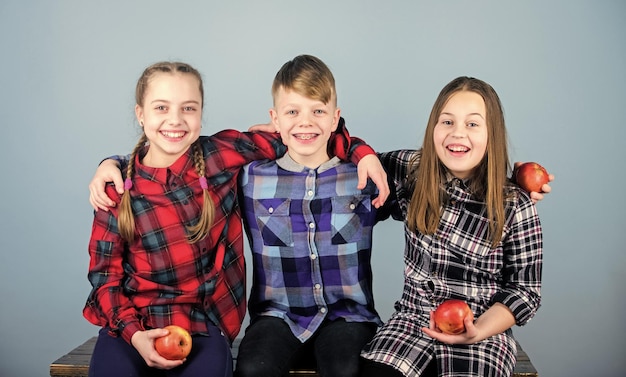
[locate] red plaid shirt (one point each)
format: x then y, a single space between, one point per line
160 279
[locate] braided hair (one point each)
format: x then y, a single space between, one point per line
126 220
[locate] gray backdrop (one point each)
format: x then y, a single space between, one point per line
66 101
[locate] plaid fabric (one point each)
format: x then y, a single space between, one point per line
160 278
458 262
311 235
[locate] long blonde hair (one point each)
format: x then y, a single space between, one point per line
489 178
126 219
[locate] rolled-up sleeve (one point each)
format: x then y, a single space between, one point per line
523 253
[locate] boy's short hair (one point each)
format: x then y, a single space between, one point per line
307 76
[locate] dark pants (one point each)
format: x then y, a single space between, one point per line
269 348
210 357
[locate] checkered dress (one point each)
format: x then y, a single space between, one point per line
458 263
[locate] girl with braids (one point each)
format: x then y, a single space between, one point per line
171 251
470 235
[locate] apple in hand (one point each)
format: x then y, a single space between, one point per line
449 316
174 346
531 176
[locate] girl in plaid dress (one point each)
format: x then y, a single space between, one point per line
470 235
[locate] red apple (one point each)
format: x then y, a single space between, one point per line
174 346
531 176
450 314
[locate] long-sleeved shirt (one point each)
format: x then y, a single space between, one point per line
160 279
458 262
311 240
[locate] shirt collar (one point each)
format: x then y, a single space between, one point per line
160 175
456 188
451 181
287 163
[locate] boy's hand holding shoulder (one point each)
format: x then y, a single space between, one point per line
370 166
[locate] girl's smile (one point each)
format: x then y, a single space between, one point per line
170 117
460 135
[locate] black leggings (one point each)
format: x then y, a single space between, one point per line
371 368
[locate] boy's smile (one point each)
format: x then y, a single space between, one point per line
305 126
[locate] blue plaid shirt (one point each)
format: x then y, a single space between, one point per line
311 238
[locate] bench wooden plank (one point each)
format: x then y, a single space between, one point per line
76 362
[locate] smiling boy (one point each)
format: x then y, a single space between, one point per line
310 231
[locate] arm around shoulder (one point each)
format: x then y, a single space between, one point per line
108 171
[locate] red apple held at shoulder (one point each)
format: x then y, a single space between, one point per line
174 346
531 176
450 314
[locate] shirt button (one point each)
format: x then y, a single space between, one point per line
311 225
313 256
352 206
310 193
270 210
317 286
322 310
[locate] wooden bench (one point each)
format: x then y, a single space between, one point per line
76 363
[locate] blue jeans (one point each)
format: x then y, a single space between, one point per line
210 357
269 348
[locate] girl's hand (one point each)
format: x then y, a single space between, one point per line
267 127
108 171
470 336
545 189
143 341
495 320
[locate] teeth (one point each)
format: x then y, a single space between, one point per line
458 148
304 137
173 133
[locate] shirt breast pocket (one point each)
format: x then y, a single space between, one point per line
273 221
351 219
